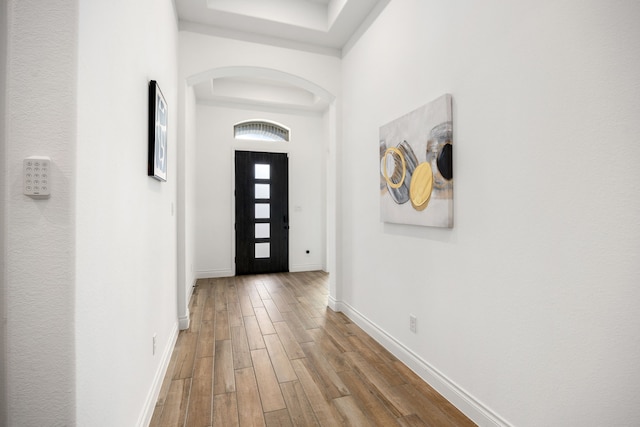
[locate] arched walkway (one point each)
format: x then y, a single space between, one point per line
330 172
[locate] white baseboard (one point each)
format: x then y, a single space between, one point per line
298 268
470 406
208 274
191 289
183 321
154 392
337 306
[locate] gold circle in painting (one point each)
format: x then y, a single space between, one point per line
394 152
421 186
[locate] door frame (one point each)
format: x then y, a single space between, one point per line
255 148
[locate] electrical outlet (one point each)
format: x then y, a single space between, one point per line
413 323
154 343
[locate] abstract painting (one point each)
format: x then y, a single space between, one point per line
158 116
416 167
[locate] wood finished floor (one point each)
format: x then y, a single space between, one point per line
266 351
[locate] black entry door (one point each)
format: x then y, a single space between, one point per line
262 210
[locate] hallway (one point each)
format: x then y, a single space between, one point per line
266 350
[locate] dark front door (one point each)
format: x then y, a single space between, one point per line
262 212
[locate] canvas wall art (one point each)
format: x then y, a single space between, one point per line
158 117
416 167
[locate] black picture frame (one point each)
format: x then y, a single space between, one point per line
158 118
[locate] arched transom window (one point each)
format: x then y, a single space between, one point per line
260 130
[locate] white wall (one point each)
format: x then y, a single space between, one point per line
186 202
215 183
39 234
527 308
126 221
3 308
200 53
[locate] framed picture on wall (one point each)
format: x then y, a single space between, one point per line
158 115
416 166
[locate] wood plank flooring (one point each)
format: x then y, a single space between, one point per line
266 350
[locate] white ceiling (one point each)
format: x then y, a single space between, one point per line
321 26
324 26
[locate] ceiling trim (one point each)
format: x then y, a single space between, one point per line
257 38
264 73
364 26
261 106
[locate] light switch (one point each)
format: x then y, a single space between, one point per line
36 172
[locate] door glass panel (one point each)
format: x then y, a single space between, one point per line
263 171
262 191
262 210
263 250
263 231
